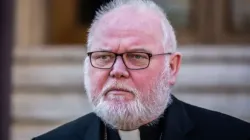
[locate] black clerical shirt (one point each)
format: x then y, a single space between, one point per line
182 121
147 131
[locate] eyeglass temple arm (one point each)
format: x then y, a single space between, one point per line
169 53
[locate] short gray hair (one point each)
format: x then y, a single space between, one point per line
169 39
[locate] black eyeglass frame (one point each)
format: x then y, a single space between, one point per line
121 54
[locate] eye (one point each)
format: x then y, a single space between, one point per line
137 56
104 57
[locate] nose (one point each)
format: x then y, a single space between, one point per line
119 70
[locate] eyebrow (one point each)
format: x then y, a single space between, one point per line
101 49
130 50
139 50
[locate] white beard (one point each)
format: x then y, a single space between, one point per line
130 115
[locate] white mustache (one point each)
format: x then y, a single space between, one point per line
118 86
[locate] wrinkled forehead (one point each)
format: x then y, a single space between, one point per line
130 20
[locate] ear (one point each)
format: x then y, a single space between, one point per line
175 62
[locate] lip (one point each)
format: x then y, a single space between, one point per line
125 94
117 91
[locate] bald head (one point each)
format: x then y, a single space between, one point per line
134 15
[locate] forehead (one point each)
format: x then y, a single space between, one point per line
128 27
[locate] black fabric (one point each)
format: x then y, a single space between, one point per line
147 131
113 134
151 132
182 121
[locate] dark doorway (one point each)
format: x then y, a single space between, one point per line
70 20
87 9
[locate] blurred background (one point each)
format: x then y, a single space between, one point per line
48 47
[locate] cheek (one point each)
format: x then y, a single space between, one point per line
98 80
144 82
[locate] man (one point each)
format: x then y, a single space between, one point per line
130 69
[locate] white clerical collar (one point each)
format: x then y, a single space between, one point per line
129 135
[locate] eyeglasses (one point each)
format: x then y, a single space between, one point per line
132 60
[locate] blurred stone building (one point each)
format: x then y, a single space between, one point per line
213 36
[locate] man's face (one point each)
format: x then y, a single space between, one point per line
125 98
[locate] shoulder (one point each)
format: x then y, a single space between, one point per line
69 130
216 123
